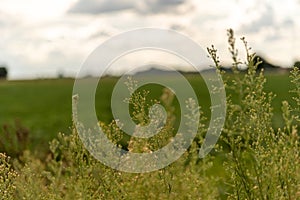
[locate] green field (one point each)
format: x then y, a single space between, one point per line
252 159
44 106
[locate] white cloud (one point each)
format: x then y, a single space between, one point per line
47 36
142 7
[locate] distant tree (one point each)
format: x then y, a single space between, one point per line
60 75
297 64
3 72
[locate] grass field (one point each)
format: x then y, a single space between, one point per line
252 159
44 106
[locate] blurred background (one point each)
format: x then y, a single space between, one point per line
44 43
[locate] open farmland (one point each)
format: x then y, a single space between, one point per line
44 106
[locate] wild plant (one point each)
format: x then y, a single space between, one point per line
14 139
260 161
7 178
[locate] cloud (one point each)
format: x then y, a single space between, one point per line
177 27
102 6
8 20
160 6
141 7
101 33
273 37
288 23
266 19
48 35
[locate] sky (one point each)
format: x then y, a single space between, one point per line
50 37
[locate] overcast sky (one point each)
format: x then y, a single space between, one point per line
44 38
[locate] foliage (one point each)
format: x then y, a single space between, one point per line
297 64
262 161
7 178
14 140
252 160
3 72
